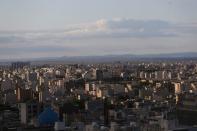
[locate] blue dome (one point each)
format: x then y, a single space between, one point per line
48 117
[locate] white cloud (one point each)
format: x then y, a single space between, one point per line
58 40
102 28
120 28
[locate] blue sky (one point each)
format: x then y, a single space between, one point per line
41 28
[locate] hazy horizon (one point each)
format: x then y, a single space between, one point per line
48 28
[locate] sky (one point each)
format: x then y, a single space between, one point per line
52 28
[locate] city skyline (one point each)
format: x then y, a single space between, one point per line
98 65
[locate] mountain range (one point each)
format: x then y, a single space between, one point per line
109 58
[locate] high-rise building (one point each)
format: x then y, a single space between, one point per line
19 65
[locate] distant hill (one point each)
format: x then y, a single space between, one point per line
123 57
110 58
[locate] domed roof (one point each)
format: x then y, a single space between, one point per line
48 117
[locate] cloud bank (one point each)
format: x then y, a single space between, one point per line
60 41
100 28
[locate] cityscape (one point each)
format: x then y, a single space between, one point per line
97 65
115 96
